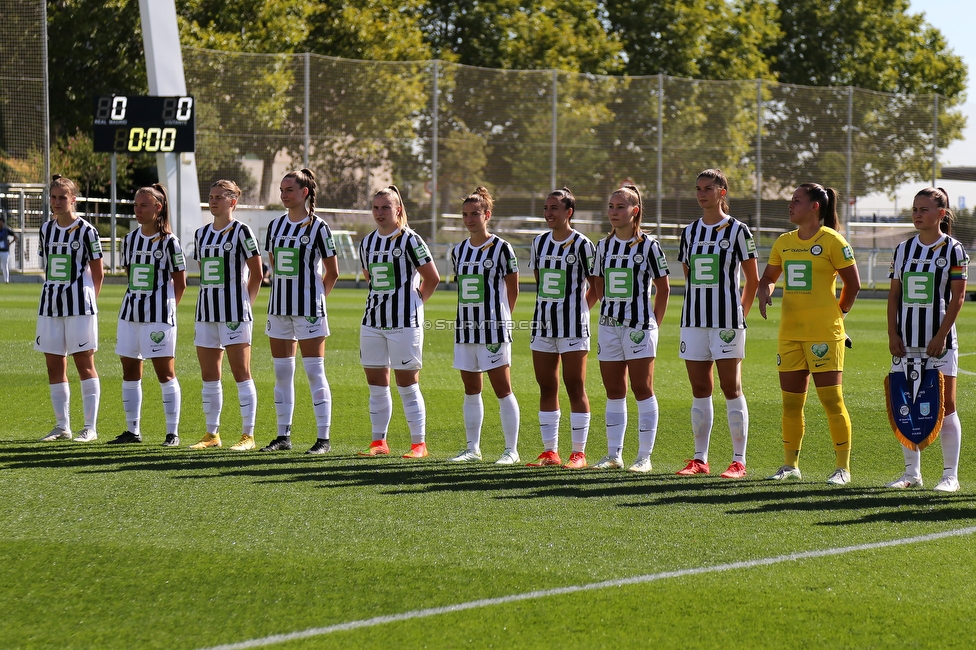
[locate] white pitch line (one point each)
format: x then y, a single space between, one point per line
561 591
965 372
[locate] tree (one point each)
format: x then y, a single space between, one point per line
869 44
700 39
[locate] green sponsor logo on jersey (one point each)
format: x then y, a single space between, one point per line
250 244
918 288
178 259
703 269
382 276
287 262
211 270
618 284
59 268
552 284
142 277
471 289
848 253
798 275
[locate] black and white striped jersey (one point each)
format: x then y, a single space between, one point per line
151 262
560 302
628 269
223 256
392 262
926 274
65 254
713 254
483 312
297 249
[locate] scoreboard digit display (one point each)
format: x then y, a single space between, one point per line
143 124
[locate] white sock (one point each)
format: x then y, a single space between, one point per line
580 423
913 460
247 395
380 410
549 425
321 394
213 403
616 418
284 393
474 416
172 399
951 442
415 410
647 416
738 414
132 404
511 416
61 401
91 395
702 417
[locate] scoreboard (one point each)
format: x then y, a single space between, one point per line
143 124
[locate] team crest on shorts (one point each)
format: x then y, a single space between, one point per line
779 360
493 347
816 249
727 335
637 337
684 346
819 349
156 337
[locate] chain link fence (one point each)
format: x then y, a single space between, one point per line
24 135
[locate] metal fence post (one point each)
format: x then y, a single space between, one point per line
759 168
850 155
308 106
113 220
433 159
555 104
46 207
660 147
935 142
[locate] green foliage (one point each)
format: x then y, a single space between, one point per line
74 156
700 39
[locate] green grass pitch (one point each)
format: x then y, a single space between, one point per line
147 547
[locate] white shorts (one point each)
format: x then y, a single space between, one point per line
220 335
711 343
145 340
66 335
400 348
947 364
559 345
481 357
296 328
622 343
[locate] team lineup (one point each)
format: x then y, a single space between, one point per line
626 272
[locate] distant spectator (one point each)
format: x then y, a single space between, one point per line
6 237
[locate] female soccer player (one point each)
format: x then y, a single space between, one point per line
562 260
628 263
811 328
154 262
713 318
928 288
402 276
486 273
230 276
302 252
67 324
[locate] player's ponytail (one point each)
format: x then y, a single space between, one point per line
941 199
826 197
161 199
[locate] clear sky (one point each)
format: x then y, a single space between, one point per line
956 19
